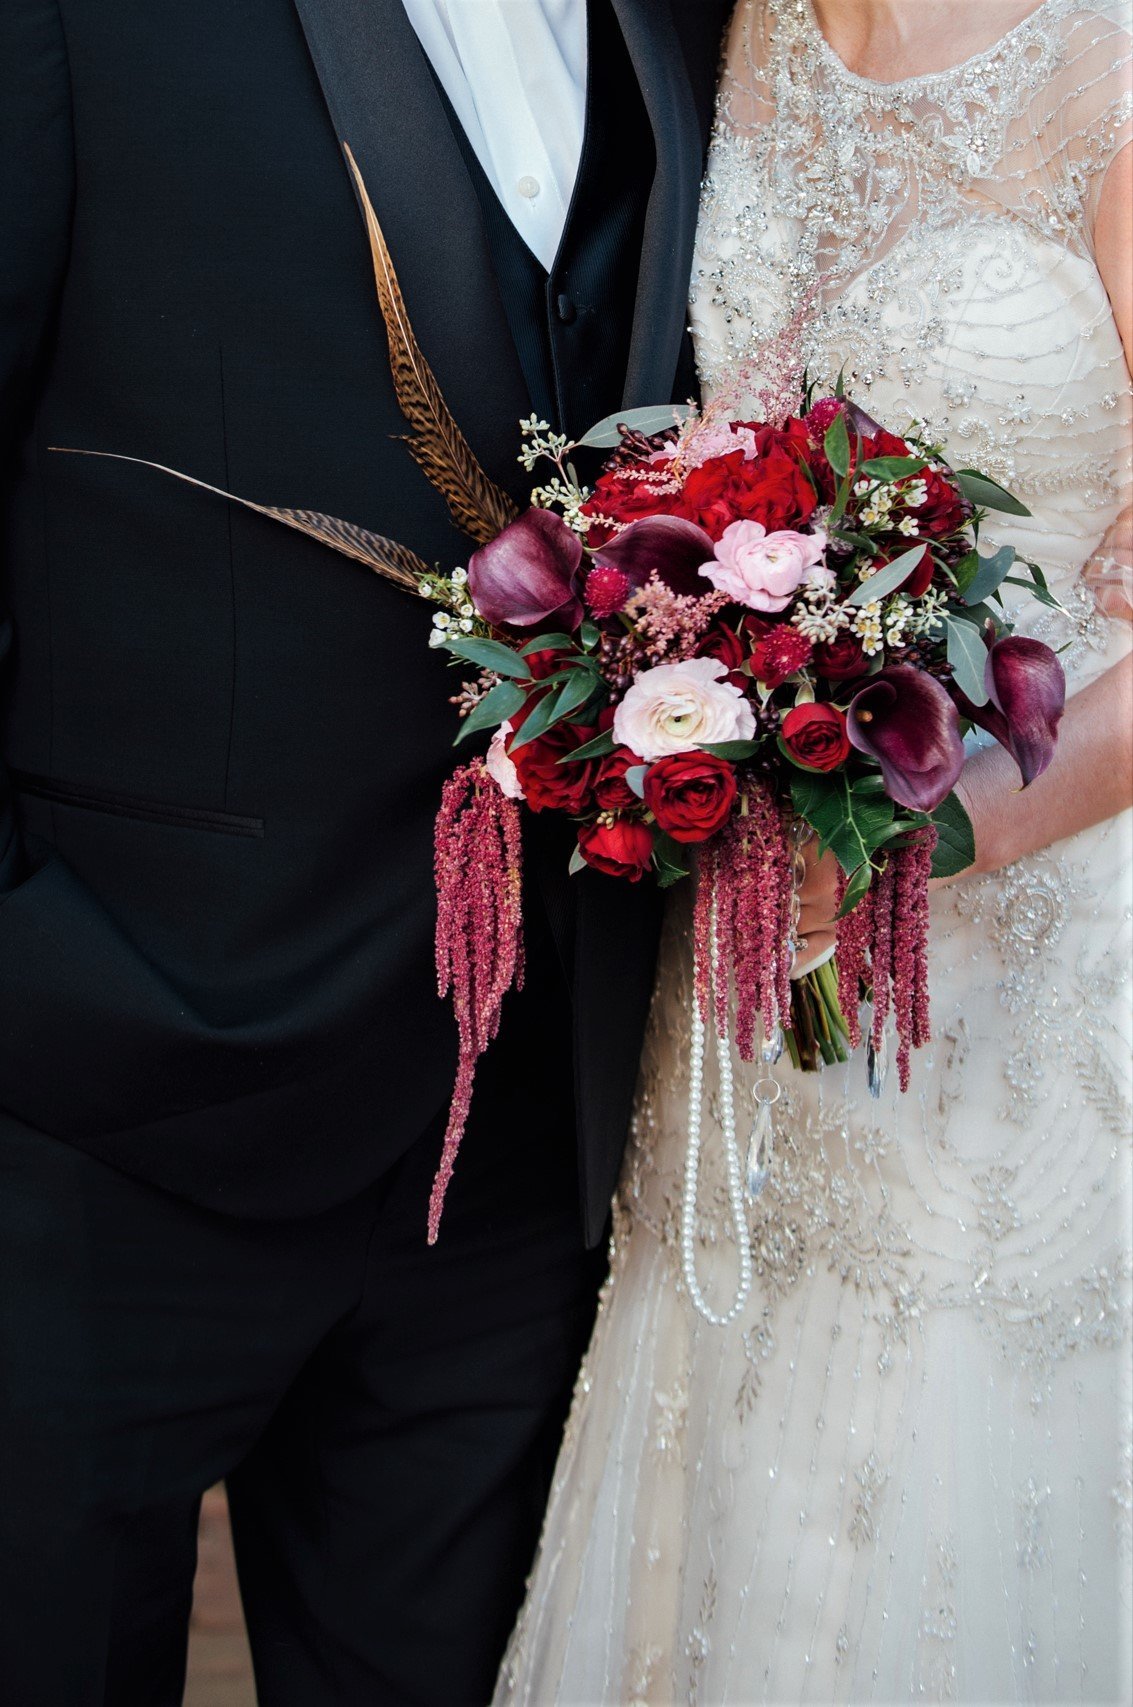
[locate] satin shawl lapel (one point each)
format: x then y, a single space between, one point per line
661 313
384 103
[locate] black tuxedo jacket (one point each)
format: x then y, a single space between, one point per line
224 746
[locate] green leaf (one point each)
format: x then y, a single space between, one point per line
635 779
734 751
988 494
670 859
966 571
546 643
855 889
892 467
539 720
886 580
495 708
990 573
654 418
967 655
956 840
490 655
1038 590
859 541
590 634
574 693
596 749
853 826
836 444
577 863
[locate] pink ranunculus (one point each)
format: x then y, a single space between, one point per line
678 708
501 768
763 570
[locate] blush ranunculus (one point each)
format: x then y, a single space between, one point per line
500 767
621 849
549 786
676 708
816 736
763 570
691 795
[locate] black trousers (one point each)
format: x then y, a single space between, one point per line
386 1416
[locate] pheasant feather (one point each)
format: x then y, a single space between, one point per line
480 508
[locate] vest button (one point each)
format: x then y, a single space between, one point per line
567 312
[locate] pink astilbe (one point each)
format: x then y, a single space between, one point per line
479 941
670 625
746 876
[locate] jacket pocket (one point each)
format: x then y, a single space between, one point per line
133 806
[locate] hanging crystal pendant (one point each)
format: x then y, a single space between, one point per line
877 1065
761 1143
773 1045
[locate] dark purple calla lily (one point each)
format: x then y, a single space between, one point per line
1026 689
905 720
529 575
669 546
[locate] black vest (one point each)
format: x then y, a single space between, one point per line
572 326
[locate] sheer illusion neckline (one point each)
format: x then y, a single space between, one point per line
922 79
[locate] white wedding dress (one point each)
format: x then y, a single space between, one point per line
905 1472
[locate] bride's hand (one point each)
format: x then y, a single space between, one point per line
818 895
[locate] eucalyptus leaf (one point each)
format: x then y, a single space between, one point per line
596 749
495 708
490 655
836 444
635 779
734 751
1037 590
967 655
670 859
990 574
988 494
577 863
546 643
654 418
539 720
955 838
886 580
892 467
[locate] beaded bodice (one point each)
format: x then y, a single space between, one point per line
933 239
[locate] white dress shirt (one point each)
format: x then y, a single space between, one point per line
515 72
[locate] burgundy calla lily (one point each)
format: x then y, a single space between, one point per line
669 546
905 720
1026 688
529 575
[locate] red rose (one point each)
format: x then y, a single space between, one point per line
611 790
815 736
731 647
621 849
779 654
547 785
690 794
770 488
919 579
945 508
840 659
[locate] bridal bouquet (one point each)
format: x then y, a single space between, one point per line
746 634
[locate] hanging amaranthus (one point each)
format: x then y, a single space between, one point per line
883 944
479 942
747 876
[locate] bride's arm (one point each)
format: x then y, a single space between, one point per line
1091 776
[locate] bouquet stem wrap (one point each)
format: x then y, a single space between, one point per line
479 942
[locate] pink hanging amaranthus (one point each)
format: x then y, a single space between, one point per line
479 943
746 884
883 943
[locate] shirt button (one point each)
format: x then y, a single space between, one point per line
528 187
567 312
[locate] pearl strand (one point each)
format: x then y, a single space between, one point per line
736 1198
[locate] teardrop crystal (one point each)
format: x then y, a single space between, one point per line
877 1065
760 1150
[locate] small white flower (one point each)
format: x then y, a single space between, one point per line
460 577
466 625
442 619
908 526
467 609
436 637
